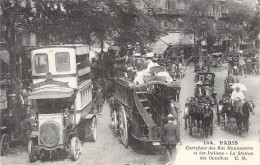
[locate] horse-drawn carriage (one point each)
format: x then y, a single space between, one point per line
237 110
140 110
200 109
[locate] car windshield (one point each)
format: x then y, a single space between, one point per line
48 106
41 63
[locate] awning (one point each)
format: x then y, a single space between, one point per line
4 55
173 39
44 94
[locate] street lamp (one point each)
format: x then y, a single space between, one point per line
204 40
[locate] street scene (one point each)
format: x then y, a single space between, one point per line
122 82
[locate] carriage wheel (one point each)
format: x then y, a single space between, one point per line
75 148
123 127
225 121
4 144
185 123
190 125
247 125
218 114
211 129
32 150
114 123
185 118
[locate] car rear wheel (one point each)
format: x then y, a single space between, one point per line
4 144
91 130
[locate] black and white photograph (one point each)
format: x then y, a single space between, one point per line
129 82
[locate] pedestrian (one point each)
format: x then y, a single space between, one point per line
171 138
99 101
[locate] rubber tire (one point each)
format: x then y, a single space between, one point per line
31 150
74 149
25 138
4 144
91 130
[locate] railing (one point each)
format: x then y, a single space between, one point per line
158 115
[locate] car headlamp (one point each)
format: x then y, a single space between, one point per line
66 113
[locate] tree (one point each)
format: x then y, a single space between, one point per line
14 19
132 24
193 19
238 22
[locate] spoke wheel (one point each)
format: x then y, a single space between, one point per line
27 130
211 128
185 118
218 114
190 125
123 127
32 150
225 121
114 123
4 144
75 148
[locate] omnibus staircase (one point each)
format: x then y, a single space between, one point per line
148 112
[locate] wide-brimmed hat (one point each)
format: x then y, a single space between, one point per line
199 83
170 116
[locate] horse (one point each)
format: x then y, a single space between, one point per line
207 119
242 116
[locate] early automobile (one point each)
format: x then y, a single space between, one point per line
217 59
14 122
61 100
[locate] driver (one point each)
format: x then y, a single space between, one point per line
199 92
237 98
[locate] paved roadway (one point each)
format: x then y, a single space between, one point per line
108 150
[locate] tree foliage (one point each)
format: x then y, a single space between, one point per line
117 22
240 22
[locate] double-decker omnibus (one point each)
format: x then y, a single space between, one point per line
61 100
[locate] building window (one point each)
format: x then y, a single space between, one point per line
41 63
165 24
174 24
171 5
62 60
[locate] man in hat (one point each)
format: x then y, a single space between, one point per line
199 90
229 81
171 138
99 101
